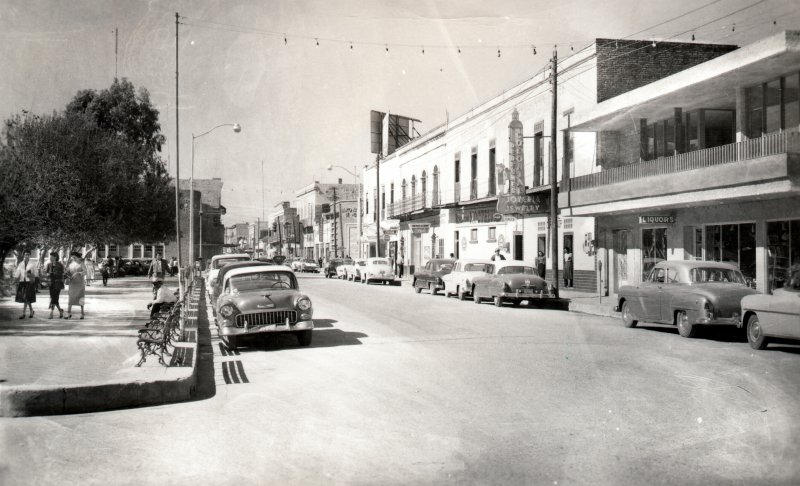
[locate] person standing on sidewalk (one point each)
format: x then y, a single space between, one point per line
497 255
104 271
156 271
26 272
400 263
541 264
76 273
567 267
55 271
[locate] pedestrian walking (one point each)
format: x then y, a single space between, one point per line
541 264
497 255
26 274
76 275
104 272
567 267
173 267
156 271
400 263
55 271
89 264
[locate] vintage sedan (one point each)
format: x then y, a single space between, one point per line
354 271
330 268
219 261
687 294
511 281
459 281
430 276
378 270
773 316
262 299
308 265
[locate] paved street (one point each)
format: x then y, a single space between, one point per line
405 388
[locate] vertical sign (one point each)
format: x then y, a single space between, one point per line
516 154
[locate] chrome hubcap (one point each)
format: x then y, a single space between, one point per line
683 320
755 330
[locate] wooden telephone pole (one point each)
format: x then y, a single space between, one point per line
554 171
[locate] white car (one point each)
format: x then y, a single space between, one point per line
459 281
308 265
219 261
768 317
377 270
354 274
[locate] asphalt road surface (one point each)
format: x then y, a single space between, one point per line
405 388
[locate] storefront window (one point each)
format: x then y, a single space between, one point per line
654 248
733 243
783 251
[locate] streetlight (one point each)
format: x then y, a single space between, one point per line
354 173
236 128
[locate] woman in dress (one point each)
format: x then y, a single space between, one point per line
541 264
567 267
76 272
26 273
55 271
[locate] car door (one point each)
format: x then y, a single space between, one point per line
667 290
480 282
650 294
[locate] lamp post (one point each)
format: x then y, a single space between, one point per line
236 128
354 173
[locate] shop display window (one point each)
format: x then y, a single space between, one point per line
654 248
783 251
733 243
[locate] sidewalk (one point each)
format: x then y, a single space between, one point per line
55 366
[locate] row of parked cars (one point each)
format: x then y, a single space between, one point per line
692 294
250 297
366 270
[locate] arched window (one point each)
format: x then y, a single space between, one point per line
413 186
403 189
424 188
435 188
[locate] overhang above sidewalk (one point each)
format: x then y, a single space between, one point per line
711 84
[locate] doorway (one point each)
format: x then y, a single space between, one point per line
621 240
518 249
456 245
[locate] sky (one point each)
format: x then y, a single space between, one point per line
301 76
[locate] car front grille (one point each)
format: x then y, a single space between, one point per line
266 318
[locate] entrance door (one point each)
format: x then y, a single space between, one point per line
456 245
621 238
518 253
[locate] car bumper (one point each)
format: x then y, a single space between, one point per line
232 330
719 321
526 295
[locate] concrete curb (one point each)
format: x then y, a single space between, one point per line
32 400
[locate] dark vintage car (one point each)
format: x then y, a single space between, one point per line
262 299
329 268
215 287
773 316
430 276
511 281
686 294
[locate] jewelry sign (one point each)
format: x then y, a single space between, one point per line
523 204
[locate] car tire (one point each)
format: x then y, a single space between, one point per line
416 289
231 342
304 337
755 335
432 288
627 316
498 301
685 328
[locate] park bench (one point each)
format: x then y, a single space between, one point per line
159 332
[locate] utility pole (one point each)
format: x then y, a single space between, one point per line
116 50
280 237
378 205
554 172
335 227
177 163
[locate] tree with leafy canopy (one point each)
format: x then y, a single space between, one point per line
90 174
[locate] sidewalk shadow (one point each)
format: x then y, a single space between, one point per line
722 334
323 338
206 385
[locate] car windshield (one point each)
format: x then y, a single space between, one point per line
380 262
474 267
224 261
514 269
262 281
710 274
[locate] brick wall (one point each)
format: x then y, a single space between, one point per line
624 65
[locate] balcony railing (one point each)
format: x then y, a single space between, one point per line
404 206
772 144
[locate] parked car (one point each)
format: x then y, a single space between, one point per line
262 299
296 264
216 285
687 294
308 265
219 261
459 281
773 316
511 281
378 270
342 271
430 276
331 266
354 272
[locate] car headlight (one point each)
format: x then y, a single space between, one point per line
304 304
226 310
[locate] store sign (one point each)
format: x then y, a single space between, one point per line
656 219
419 228
522 204
474 216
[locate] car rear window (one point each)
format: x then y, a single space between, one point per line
224 261
709 275
474 267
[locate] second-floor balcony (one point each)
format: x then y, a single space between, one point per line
772 157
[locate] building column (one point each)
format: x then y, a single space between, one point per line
643 138
741 114
680 136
